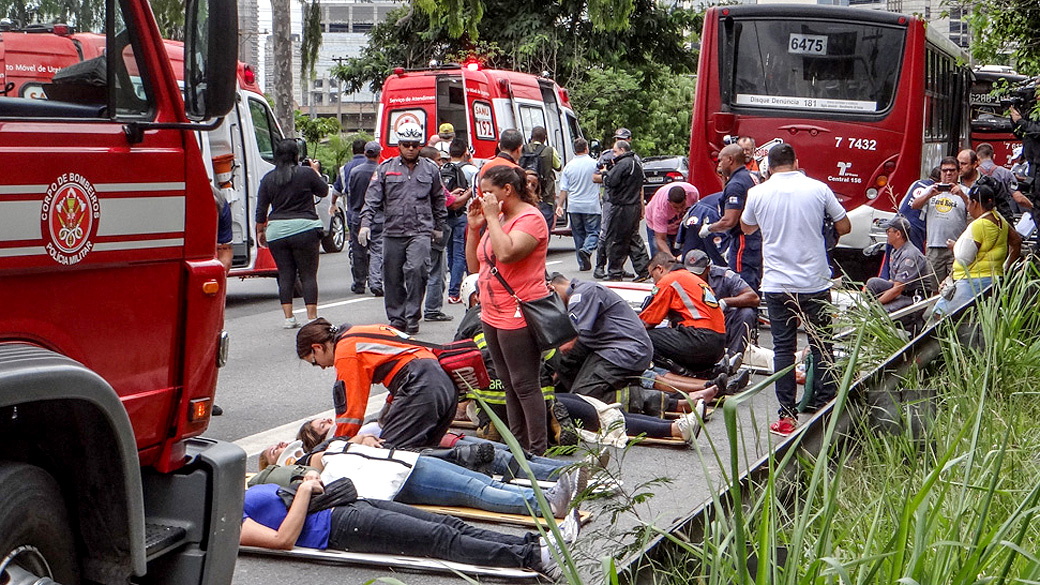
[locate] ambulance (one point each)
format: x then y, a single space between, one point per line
479 103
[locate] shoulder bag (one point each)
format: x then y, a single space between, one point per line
546 317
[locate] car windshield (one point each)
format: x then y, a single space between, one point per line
810 65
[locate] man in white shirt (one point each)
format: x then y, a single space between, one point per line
789 209
579 198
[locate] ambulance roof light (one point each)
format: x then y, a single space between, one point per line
248 74
398 70
472 66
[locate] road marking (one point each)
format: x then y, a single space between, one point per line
254 444
336 304
554 262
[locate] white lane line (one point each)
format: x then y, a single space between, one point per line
254 444
547 264
336 304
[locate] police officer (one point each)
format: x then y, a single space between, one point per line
704 212
408 191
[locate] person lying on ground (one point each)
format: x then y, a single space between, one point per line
421 397
686 427
411 478
385 527
497 459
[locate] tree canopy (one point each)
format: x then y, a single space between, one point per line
587 46
1002 27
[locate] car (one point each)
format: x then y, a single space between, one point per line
661 170
333 225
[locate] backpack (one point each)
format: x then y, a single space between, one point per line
1003 194
532 161
453 177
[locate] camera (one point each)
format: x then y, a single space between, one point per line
1021 98
943 187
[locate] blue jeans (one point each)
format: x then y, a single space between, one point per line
437 482
963 291
585 231
544 468
435 284
785 311
650 239
456 254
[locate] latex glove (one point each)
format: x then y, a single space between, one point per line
363 235
704 231
723 305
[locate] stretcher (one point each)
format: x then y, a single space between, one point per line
663 442
392 561
496 517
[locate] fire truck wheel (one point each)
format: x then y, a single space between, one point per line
334 242
35 535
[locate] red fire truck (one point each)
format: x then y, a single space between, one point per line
493 101
110 332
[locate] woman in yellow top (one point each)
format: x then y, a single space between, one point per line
984 249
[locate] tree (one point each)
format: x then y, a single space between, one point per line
282 69
1007 26
314 130
169 15
85 15
563 37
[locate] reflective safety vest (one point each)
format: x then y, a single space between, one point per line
685 300
360 362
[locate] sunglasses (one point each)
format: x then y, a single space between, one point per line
408 144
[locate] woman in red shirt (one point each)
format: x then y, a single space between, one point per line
515 239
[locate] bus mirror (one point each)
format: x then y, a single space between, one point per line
210 58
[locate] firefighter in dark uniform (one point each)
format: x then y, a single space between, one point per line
407 190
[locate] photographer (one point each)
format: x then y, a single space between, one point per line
945 218
1028 130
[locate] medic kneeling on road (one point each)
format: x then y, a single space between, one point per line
421 400
696 340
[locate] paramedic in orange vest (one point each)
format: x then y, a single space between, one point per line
696 339
421 400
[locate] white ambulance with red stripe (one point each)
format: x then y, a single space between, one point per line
111 327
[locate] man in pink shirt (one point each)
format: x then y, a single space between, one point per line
664 212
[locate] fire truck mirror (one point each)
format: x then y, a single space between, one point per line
210 58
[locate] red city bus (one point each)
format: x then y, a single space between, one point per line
870 100
989 122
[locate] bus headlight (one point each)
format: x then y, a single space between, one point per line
872 193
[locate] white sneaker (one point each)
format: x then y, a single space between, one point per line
549 567
686 425
570 527
290 323
561 494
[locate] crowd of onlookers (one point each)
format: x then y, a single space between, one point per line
429 224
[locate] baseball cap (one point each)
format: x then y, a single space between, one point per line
442 147
899 223
696 261
623 133
446 128
372 147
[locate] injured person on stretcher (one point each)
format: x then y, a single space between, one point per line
411 478
386 527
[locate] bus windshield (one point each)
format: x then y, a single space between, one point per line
809 65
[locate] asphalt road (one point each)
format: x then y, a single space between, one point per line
266 391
